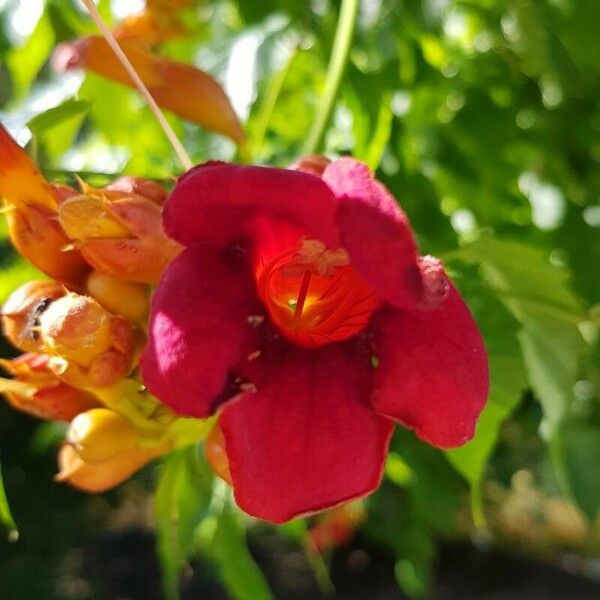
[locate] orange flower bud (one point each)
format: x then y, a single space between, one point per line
312 163
102 476
89 345
22 310
183 89
140 187
125 298
31 213
150 27
99 434
336 527
37 391
119 234
216 455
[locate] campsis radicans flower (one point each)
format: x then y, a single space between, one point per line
302 313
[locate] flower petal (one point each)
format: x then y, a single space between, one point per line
433 371
375 232
212 203
198 329
307 439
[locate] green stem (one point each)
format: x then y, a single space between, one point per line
335 70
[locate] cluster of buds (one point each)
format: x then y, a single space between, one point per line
81 331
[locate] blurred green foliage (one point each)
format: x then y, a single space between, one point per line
481 116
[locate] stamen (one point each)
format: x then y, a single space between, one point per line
301 299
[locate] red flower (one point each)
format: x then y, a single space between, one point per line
301 310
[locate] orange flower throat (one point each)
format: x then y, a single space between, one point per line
314 295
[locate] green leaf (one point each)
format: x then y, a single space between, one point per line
56 115
26 62
508 381
181 501
239 573
578 446
539 296
15 274
6 517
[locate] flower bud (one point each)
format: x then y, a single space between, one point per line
312 163
37 391
125 298
139 187
89 345
216 455
178 87
336 527
102 476
99 434
21 312
31 214
119 234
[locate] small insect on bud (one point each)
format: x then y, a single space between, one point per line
21 313
37 391
119 234
99 434
89 345
30 209
216 455
125 298
101 476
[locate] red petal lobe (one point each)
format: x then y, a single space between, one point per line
376 233
433 371
198 329
307 439
226 196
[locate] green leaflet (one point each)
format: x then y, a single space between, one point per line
228 549
539 297
182 499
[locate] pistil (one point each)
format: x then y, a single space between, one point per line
302 292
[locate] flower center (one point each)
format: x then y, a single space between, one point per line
313 294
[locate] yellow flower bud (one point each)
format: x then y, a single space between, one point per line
125 298
99 434
102 476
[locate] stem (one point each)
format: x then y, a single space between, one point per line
140 85
335 70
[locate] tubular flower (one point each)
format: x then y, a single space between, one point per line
31 205
119 232
37 391
87 345
301 311
178 87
